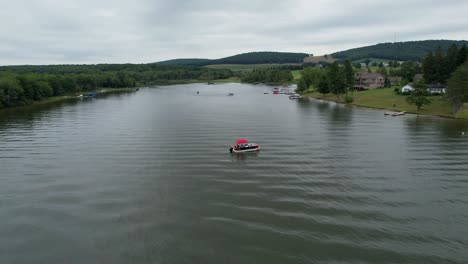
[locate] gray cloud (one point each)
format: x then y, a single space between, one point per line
105 31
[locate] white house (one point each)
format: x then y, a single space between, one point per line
407 88
436 88
431 88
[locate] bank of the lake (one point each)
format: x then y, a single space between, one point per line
386 98
67 97
73 96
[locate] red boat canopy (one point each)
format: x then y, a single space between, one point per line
241 141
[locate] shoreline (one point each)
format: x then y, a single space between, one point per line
64 98
461 115
69 97
333 98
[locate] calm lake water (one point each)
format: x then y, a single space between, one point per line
147 177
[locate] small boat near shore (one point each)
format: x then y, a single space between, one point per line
399 113
395 113
243 145
295 96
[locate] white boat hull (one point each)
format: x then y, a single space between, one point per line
245 150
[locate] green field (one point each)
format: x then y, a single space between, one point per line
297 75
386 98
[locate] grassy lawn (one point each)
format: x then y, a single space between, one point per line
386 99
297 75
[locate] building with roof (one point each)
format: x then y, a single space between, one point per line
368 81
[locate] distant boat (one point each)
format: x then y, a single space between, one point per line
243 145
395 113
230 94
295 96
91 94
398 113
211 83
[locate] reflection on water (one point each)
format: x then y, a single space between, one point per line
147 177
244 156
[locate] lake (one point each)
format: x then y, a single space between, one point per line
147 177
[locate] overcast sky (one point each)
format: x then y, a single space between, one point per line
141 31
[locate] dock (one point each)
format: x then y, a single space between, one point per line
395 113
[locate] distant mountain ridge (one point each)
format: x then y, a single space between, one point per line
260 57
401 51
184 62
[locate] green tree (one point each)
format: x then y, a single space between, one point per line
301 85
457 91
451 58
440 66
429 69
408 70
419 95
462 55
323 86
349 77
11 93
311 76
336 79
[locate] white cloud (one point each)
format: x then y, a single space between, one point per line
105 31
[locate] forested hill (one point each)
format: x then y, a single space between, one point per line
403 51
263 57
185 62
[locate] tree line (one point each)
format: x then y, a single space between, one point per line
262 57
400 51
439 65
333 79
21 85
272 76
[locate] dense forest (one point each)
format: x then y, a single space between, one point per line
21 85
184 62
264 57
402 51
270 76
438 66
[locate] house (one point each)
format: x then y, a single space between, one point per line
431 88
407 88
437 88
363 64
395 80
368 81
